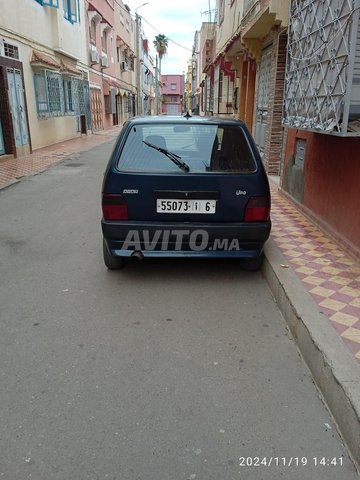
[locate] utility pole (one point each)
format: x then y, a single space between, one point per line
157 95
138 69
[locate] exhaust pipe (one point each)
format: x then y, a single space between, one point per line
138 255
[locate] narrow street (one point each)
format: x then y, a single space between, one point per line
179 370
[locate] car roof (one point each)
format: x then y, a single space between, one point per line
184 119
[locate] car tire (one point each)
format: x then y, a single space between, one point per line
111 262
252 264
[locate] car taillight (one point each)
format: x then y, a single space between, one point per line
257 209
114 207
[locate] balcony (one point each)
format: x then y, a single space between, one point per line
260 16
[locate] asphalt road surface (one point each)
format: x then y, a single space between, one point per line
167 370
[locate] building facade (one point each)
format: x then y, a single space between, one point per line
321 161
172 94
112 62
44 89
291 71
81 71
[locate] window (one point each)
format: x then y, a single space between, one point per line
125 57
49 3
11 51
57 95
132 63
54 93
172 108
172 86
128 104
104 41
70 10
221 11
112 49
205 148
48 93
221 80
92 30
42 103
69 96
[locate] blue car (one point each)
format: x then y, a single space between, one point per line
185 187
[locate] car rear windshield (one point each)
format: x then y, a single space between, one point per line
202 148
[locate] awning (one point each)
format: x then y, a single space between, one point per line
43 60
70 68
110 83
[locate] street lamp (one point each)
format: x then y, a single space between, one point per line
138 70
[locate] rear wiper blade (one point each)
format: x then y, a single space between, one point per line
173 157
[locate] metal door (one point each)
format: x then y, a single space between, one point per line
87 105
119 112
96 109
17 107
263 98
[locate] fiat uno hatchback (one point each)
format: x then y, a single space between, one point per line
185 187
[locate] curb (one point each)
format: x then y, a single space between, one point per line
8 184
334 370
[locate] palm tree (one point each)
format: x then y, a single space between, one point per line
161 45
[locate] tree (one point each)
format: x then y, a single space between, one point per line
161 45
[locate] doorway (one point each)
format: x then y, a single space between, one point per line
17 108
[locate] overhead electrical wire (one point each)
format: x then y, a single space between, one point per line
173 41
158 31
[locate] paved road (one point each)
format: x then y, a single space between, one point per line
167 370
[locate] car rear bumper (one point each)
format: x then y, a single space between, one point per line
242 240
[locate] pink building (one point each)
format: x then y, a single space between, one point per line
111 36
172 92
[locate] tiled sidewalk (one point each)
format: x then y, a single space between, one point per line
331 276
13 169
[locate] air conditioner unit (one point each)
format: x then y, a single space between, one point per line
94 56
124 66
104 60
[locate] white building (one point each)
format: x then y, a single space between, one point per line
44 94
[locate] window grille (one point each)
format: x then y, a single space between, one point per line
11 51
49 94
322 73
129 104
55 93
79 96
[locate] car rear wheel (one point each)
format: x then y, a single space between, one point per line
111 262
252 264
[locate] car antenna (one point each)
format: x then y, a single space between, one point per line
188 115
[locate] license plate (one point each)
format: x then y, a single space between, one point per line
185 206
